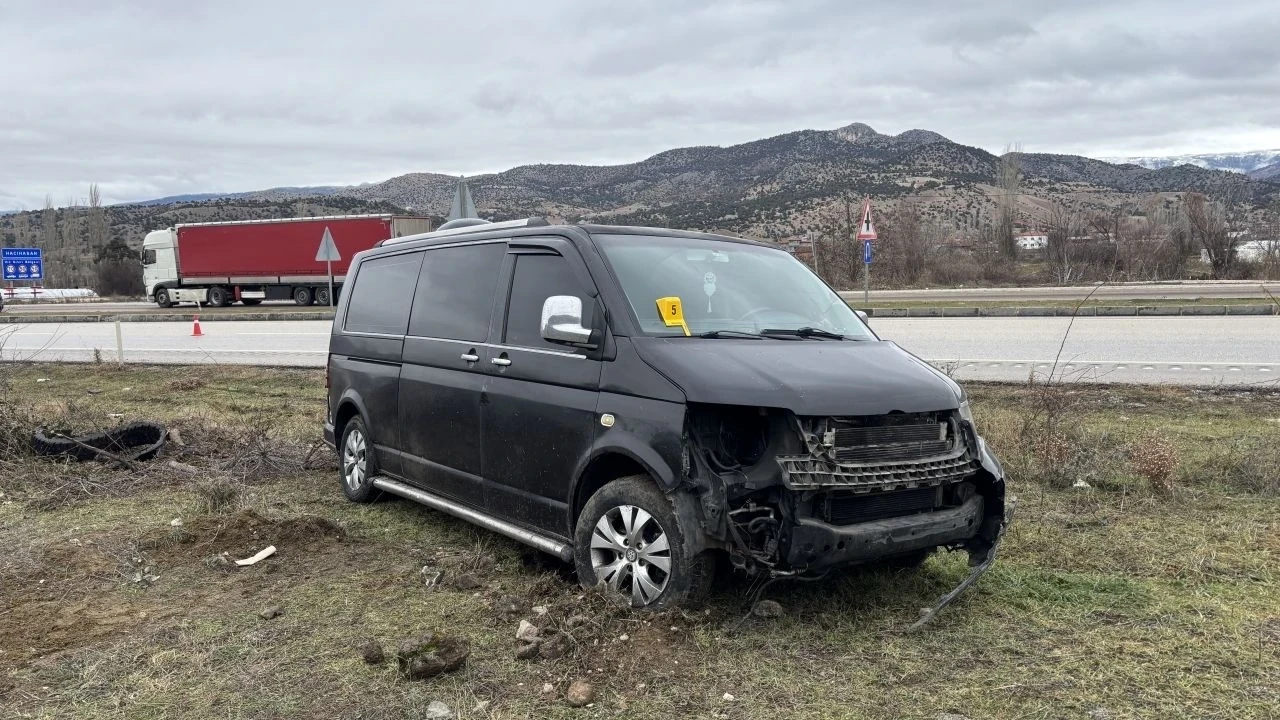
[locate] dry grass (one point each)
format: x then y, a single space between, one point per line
1116 599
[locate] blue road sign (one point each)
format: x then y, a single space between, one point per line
22 263
866 251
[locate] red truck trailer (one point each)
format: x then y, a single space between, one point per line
254 260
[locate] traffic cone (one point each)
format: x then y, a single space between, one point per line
195 327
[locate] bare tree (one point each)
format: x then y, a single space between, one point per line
48 225
96 227
1064 254
1008 178
907 241
1206 223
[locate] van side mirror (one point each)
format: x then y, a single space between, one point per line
862 315
562 321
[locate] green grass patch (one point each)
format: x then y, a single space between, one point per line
1117 600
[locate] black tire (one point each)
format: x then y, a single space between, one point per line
321 295
250 302
687 580
302 296
162 298
355 452
219 297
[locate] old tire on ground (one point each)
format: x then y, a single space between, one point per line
302 296
322 296
357 465
219 296
627 539
250 302
162 298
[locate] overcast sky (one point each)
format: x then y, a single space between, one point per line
159 97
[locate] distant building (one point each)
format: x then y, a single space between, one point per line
1032 241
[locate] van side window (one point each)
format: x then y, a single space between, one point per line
456 292
380 299
538 277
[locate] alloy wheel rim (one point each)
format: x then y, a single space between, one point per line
354 460
631 554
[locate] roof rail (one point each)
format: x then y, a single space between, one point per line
483 227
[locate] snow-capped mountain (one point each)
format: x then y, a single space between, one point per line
1241 162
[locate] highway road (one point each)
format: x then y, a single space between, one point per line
1119 293
139 307
1176 350
1123 292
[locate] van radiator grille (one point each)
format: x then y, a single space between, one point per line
889 452
846 508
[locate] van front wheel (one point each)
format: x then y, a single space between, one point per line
627 541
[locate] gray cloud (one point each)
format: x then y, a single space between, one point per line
152 98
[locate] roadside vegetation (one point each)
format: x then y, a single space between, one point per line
1141 577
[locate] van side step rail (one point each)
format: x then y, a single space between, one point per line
548 545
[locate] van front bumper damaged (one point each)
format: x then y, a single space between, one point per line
816 545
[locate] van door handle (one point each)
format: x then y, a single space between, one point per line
503 360
471 356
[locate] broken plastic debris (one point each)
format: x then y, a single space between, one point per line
729 698
176 522
264 553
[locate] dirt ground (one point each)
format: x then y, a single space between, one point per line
1152 593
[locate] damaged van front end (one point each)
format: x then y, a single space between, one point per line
797 494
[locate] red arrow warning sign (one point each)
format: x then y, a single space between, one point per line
866 228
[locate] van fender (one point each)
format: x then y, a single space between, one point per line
351 397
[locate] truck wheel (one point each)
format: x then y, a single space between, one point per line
302 296
162 298
219 297
322 296
627 540
357 466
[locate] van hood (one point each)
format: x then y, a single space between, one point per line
807 377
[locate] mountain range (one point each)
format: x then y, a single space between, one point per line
1257 164
780 187
792 183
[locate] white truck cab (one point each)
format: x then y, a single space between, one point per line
160 270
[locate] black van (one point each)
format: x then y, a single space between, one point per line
646 403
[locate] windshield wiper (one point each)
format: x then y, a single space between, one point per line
804 332
731 334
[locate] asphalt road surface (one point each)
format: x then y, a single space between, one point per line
139 307
1124 292
1175 350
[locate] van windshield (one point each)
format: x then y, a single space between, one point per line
724 286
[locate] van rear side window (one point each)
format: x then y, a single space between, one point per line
383 294
456 292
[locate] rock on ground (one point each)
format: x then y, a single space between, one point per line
431 654
272 612
437 710
527 631
767 609
554 646
467 581
580 693
372 652
528 651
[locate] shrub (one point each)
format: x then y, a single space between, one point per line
1154 458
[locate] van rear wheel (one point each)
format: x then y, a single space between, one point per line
627 541
357 465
